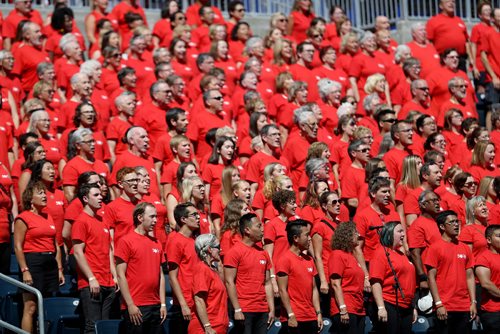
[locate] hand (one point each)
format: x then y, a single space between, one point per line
163 313
62 279
27 279
117 286
292 322
135 315
239 316
415 316
473 311
344 318
382 315
496 82
366 285
270 319
276 290
95 289
210 330
320 322
186 312
441 313
323 288
476 73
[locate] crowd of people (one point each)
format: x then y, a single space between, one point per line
315 172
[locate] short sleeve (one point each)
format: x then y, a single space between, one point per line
269 233
231 259
123 250
378 267
283 266
432 257
336 264
174 251
466 235
79 231
202 281
416 237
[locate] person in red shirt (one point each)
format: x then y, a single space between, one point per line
483 161
82 89
457 87
118 214
402 135
181 260
36 249
141 61
302 69
247 274
93 254
487 269
446 30
81 159
29 54
353 185
455 300
300 19
423 50
193 13
346 279
120 10
295 269
138 259
210 311
117 128
420 99
395 312
22 11
476 221
424 232
491 58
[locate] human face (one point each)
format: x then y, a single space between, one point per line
337 15
208 16
198 192
130 80
258 50
279 170
43 123
286 184
243 192
330 57
238 13
83 86
163 95
180 50
276 34
255 230
261 121
181 123
451 60
483 136
87 145
448 7
303 241
286 51
399 236
8 61
222 49
459 89
439 144
207 65
289 209
74 52
481 212
243 32
494 240
129 184
273 138
227 150
235 176
310 127
380 86
87 115
34 35
190 171
47 94
470 187
48 172
24 6
384 39
451 226
352 45
489 155
144 182
140 140
369 45
405 134
422 92
419 34
305 5
184 150
307 53
216 101
382 23
102 4
333 205
428 126
281 23
301 96
456 120
362 153
39 198
432 204
149 218
326 154
350 127
321 187
94 198
256 67
128 106
250 81
192 219
346 27
383 196
435 176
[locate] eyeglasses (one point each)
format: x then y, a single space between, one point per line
218 98
334 202
316 36
89 142
194 214
453 222
440 142
461 86
406 130
429 123
470 184
116 55
390 120
200 186
433 200
283 20
365 150
131 181
312 126
424 89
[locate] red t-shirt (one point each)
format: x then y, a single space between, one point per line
354 186
275 233
451 260
27 60
212 175
200 125
257 163
40 233
368 217
144 256
410 203
251 264
474 235
118 15
428 56
394 162
77 166
478 33
447 32
295 151
116 131
9 25
300 270
180 250
381 271
151 118
326 233
491 47
94 233
301 22
491 261
228 240
56 205
118 216
362 66
345 266
5 204
423 232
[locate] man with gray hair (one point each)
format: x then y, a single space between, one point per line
73 53
457 87
143 66
115 132
82 89
421 99
22 11
204 63
424 232
330 94
29 54
9 80
353 185
423 50
370 104
297 144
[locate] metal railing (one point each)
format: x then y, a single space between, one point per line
39 297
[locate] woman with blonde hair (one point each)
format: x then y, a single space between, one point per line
483 161
279 100
349 47
283 55
230 175
279 21
377 83
487 190
220 52
276 180
230 230
409 180
272 36
476 221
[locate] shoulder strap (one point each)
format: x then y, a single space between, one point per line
328 224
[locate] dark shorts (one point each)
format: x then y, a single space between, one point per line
44 271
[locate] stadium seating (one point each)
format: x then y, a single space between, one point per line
57 308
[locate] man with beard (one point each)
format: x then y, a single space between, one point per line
22 11
458 90
451 278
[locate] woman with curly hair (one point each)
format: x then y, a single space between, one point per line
346 280
235 208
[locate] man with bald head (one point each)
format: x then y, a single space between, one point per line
420 99
22 11
382 23
29 54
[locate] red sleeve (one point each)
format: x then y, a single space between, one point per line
79 230
123 250
207 174
355 69
378 266
269 233
430 28
283 266
109 217
466 235
202 281
411 204
416 237
336 264
174 251
231 259
470 257
432 257
349 188
360 225
258 201
253 170
70 175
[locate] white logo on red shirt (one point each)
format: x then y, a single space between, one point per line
106 230
343 78
148 69
2 128
52 227
461 25
15 89
55 149
462 256
98 142
103 174
157 202
156 250
309 269
231 68
381 66
262 261
153 170
104 97
5 176
59 203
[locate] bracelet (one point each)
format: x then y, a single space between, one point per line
381 307
318 312
163 305
207 325
367 277
273 276
343 313
473 301
342 306
91 278
438 303
291 314
25 269
238 310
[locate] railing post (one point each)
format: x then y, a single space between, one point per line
404 9
468 11
357 12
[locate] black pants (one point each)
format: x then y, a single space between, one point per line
399 320
98 308
177 323
5 258
151 322
490 322
457 323
356 325
304 327
254 323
